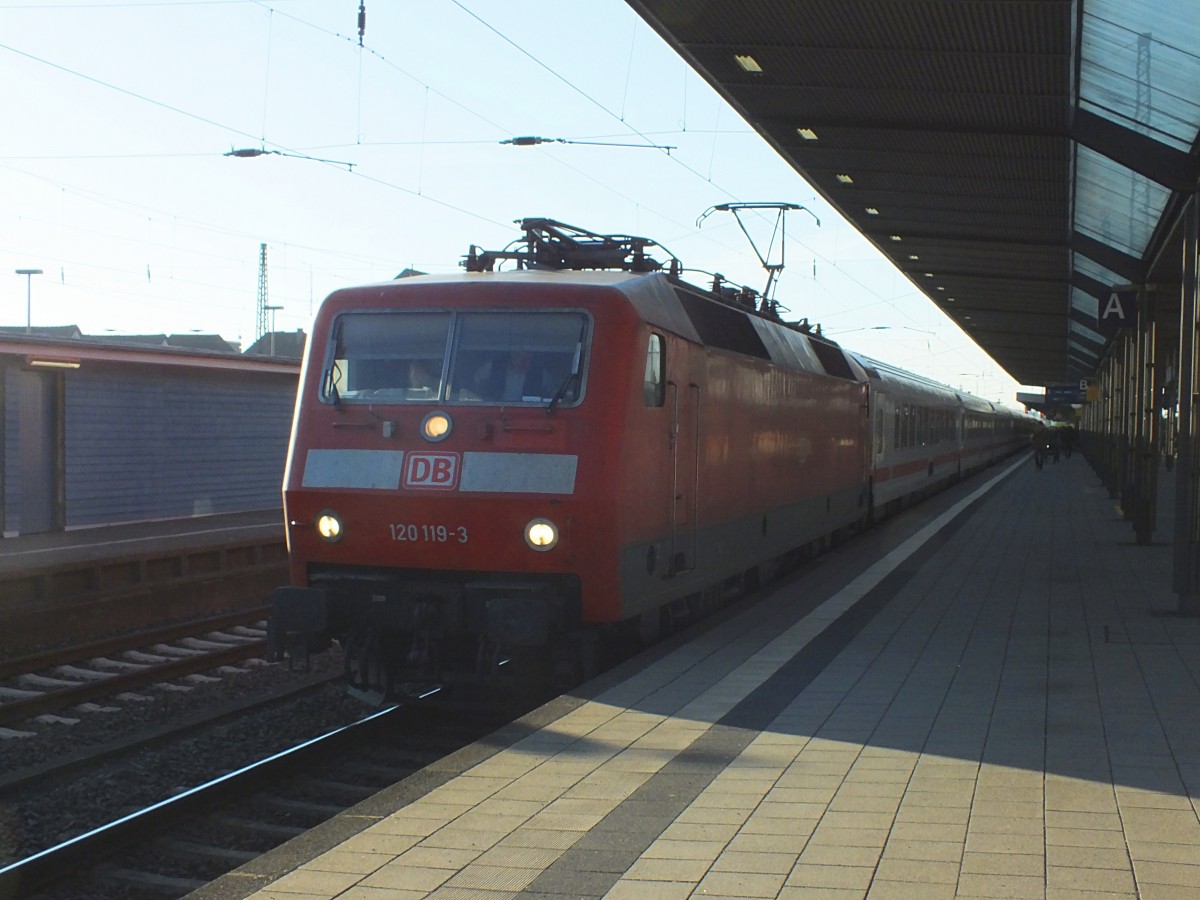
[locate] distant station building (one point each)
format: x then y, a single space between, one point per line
281 344
116 428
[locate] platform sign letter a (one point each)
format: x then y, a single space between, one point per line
1119 311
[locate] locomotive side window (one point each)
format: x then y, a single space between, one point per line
654 382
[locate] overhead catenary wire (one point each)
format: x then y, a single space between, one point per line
385 60
466 208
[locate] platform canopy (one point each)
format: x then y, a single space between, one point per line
1016 159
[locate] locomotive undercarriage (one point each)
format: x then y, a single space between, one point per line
406 634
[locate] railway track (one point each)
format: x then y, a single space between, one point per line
39 684
173 846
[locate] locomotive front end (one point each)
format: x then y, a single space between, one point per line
432 495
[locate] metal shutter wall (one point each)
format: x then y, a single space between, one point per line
154 443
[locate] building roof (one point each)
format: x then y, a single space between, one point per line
38 351
1016 159
61 332
213 342
284 344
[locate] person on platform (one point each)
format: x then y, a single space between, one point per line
1069 435
1040 442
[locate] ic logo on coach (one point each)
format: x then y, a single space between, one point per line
431 471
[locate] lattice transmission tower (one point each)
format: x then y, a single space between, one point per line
263 323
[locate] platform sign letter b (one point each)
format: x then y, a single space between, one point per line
1117 312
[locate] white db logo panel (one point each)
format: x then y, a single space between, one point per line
431 471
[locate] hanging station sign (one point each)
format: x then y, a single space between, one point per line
1118 311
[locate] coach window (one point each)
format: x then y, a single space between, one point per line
654 384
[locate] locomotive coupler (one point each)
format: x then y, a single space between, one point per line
300 613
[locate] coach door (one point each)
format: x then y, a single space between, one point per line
685 475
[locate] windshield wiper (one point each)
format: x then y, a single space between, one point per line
572 376
331 390
329 382
562 391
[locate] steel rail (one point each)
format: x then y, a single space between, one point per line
26 875
92 757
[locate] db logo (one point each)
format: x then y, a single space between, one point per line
438 471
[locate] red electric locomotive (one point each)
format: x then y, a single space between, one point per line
488 470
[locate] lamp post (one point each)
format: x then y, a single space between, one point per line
29 273
271 310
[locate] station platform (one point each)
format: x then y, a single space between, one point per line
78 545
90 583
987 696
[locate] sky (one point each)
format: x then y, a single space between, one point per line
386 155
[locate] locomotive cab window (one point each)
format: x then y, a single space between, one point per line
387 358
505 357
518 357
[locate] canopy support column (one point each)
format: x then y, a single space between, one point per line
1187 470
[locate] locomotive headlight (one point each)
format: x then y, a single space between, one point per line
436 426
541 534
329 526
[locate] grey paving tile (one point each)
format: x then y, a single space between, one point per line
1002 863
1169 873
1089 879
1161 851
634 889
755 862
849 837
882 889
1085 837
821 876
833 855
939 851
1094 858
1165 892
739 884
825 893
613 860
929 872
678 870
1017 887
945 815
571 883
665 849
1003 825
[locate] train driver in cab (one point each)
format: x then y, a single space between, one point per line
512 377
